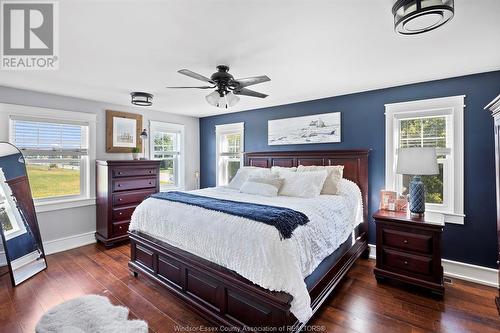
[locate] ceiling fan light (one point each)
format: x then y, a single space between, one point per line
413 17
141 98
224 102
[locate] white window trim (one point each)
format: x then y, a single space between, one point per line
38 113
224 129
437 106
176 128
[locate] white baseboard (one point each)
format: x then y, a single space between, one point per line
68 243
61 244
460 270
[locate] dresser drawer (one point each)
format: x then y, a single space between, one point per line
130 172
407 262
121 199
133 184
120 228
407 241
125 213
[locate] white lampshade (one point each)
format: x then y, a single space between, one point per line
228 100
417 161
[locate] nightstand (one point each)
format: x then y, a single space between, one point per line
409 250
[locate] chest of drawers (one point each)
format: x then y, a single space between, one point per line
120 187
409 250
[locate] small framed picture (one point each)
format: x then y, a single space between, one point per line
402 203
388 200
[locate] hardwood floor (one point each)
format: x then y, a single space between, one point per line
359 305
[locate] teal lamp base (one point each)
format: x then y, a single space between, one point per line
417 196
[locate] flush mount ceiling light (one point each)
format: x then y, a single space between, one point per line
142 98
413 17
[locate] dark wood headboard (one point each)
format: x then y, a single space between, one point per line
355 164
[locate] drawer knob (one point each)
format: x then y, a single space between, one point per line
121 213
406 262
150 183
120 199
120 173
120 227
119 185
405 241
150 171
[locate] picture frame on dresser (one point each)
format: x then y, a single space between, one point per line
120 187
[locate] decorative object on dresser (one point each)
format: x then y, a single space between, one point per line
417 161
318 128
123 131
121 186
494 108
409 250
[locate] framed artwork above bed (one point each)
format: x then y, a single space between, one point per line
319 128
123 132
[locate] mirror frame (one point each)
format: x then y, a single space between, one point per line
36 232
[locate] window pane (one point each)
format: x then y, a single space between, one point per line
232 167
36 135
433 186
164 141
423 132
231 143
53 179
167 174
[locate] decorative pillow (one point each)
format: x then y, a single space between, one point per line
266 186
278 169
335 173
303 184
245 172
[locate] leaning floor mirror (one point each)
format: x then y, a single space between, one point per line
21 241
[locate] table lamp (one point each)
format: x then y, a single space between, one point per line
417 162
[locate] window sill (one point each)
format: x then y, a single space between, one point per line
444 217
48 206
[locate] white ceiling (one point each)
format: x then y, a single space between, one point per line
309 49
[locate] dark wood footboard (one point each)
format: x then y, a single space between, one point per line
226 298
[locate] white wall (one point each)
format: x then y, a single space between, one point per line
64 227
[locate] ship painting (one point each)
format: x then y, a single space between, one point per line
321 128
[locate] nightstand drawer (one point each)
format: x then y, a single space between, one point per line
407 241
408 262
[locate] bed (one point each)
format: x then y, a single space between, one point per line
227 298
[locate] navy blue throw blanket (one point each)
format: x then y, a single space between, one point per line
283 219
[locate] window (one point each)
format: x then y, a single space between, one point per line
430 123
166 142
229 151
56 156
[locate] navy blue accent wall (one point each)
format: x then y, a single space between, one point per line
363 126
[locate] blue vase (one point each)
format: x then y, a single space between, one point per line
417 196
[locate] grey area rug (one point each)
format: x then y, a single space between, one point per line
89 314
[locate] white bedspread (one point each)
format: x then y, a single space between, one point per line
253 249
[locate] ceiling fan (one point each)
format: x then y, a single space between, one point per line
226 86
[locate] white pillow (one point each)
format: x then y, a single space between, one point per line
245 172
335 173
303 184
278 169
266 186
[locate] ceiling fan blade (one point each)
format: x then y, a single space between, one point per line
245 82
202 87
195 75
248 92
